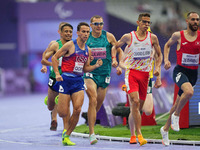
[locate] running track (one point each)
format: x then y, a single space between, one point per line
24 125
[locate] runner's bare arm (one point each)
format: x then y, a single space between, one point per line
158 52
173 39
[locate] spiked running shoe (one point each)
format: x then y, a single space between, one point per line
65 139
141 140
56 99
133 140
54 125
165 138
45 100
175 123
93 139
63 134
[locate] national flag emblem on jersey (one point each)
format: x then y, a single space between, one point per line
135 43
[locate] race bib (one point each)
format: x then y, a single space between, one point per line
190 59
107 80
141 53
50 82
99 52
78 68
89 75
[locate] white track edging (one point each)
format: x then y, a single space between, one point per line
150 141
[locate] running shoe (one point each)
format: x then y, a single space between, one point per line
141 140
175 123
93 139
56 99
65 139
133 140
165 138
45 100
54 125
63 134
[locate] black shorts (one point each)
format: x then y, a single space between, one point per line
182 75
51 83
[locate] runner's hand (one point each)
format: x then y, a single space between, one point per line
44 69
119 70
59 78
167 65
158 82
156 72
99 63
114 62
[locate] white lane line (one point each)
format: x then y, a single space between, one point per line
14 142
17 129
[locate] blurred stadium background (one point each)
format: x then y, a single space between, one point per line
27 27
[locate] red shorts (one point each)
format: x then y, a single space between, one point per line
137 81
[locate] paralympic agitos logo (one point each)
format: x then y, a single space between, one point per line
62 12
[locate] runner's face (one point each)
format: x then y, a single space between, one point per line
66 33
84 33
144 23
99 25
193 21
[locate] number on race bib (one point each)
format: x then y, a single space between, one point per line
78 68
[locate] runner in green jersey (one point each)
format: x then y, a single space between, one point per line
97 81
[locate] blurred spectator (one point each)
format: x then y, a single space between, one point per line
173 22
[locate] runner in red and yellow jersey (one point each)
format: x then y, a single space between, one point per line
148 105
138 65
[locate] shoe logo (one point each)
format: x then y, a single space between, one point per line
184 43
178 77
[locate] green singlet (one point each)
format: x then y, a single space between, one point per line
52 73
100 48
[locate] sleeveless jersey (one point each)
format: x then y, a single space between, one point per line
188 54
140 53
100 48
75 62
52 73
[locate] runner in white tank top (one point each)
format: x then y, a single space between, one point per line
138 65
140 53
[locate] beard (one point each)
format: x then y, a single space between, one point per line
192 28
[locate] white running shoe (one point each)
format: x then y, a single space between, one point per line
93 139
175 123
165 138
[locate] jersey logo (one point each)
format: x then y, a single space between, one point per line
197 43
184 43
178 77
61 88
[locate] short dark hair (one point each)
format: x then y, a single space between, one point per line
96 16
60 25
66 24
82 24
143 15
191 12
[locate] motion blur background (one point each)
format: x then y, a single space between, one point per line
27 27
